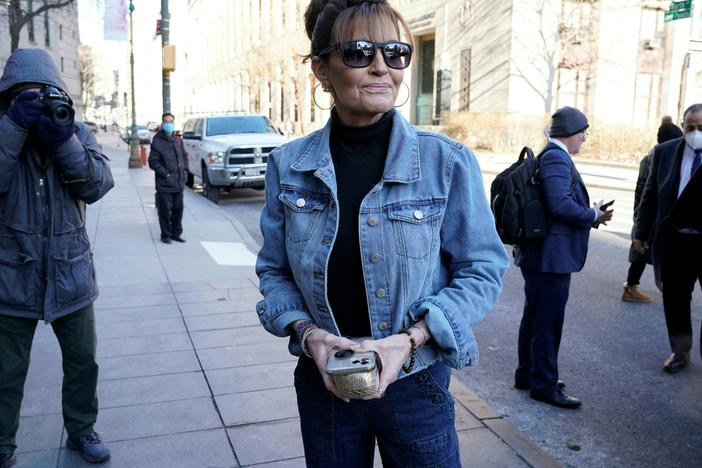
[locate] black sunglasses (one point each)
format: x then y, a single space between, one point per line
360 53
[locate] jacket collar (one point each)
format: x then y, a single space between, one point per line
402 162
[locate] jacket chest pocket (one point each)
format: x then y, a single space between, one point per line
415 226
302 212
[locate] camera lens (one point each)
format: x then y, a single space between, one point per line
343 353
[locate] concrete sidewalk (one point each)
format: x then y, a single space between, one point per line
188 378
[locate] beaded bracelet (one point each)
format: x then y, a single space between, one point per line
425 338
303 341
413 352
302 326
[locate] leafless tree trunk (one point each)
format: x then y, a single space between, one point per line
17 16
87 75
561 46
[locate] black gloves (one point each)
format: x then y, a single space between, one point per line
28 112
52 134
26 109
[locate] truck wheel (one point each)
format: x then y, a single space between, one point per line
210 192
189 179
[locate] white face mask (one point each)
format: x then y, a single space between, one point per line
694 139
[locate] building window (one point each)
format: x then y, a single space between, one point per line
573 88
647 98
465 80
61 64
47 37
30 25
60 32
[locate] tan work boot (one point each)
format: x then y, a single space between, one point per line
632 294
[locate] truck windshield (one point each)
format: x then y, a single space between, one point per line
239 124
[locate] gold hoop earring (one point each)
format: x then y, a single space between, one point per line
407 98
314 97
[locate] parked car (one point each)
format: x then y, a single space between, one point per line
92 125
142 132
229 151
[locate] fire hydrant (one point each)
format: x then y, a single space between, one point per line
142 153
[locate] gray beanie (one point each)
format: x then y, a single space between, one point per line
567 121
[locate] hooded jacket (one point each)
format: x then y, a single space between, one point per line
46 265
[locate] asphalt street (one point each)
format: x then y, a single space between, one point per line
611 355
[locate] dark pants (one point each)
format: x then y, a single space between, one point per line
170 213
636 269
413 422
682 268
546 295
76 336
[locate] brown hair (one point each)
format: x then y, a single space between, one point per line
328 21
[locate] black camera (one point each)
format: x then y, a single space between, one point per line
58 106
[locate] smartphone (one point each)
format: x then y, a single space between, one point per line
347 361
606 205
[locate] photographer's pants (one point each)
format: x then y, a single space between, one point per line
413 422
76 336
170 213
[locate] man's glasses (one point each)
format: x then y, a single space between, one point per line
360 53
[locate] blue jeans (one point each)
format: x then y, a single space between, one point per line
413 423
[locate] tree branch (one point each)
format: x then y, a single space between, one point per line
49 6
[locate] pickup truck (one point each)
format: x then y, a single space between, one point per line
229 151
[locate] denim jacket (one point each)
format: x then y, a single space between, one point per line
427 237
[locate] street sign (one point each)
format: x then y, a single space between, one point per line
678 10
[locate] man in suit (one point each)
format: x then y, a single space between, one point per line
669 216
547 265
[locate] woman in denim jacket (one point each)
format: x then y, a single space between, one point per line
373 228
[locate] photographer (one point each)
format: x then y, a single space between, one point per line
50 167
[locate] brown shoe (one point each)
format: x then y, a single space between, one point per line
632 294
676 362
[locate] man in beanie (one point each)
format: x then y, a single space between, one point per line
669 215
638 260
50 168
547 265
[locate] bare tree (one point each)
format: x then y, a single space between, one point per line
568 43
87 75
18 17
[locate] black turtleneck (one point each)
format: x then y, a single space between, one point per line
358 154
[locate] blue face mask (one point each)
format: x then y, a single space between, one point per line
168 127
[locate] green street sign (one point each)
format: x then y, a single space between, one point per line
678 10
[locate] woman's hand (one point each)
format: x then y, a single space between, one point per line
393 351
319 344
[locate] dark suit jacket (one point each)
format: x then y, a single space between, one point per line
658 200
564 249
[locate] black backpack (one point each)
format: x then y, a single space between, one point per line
516 201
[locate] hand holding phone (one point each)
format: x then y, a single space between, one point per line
606 205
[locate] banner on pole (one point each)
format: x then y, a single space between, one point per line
115 20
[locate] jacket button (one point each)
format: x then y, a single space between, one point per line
375 258
327 240
382 326
380 292
300 202
372 221
418 214
333 204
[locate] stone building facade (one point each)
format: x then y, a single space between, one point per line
56 31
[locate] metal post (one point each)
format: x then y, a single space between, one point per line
165 37
134 156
